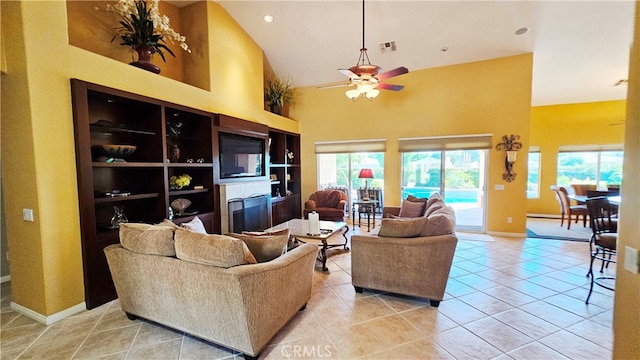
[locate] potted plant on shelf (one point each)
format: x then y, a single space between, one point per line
144 30
277 93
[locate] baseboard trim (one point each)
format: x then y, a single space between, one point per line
543 216
507 234
48 320
5 279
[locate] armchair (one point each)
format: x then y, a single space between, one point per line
329 204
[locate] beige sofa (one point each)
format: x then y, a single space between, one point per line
399 257
240 307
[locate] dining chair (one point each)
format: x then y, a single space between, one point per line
603 242
567 209
614 209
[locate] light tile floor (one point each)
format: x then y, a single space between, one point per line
506 299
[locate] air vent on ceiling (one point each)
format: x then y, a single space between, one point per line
388 46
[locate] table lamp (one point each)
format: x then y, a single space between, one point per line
366 174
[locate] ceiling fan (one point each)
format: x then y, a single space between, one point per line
367 78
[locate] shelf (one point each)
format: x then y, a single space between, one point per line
197 165
95 128
110 199
126 164
186 192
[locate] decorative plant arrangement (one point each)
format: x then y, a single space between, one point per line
144 30
178 182
277 93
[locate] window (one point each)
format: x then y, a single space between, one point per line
533 180
342 170
339 164
600 167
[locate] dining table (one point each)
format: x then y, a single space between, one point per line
582 199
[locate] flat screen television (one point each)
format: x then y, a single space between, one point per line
241 156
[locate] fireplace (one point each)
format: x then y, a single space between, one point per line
249 214
238 190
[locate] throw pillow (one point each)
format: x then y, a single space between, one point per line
416 199
441 222
195 225
265 247
148 239
411 209
217 250
402 228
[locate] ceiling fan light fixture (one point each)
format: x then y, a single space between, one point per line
372 94
353 94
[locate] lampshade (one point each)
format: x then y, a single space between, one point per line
366 174
511 155
372 94
352 94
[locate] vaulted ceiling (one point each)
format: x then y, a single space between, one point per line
581 48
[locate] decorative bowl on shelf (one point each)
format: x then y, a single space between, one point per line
180 205
117 152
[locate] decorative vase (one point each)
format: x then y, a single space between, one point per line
144 59
118 217
174 153
276 108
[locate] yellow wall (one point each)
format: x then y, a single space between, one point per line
570 124
626 312
487 97
38 142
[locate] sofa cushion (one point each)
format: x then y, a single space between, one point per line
411 209
435 198
402 227
169 223
217 250
440 222
148 239
265 246
435 206
195 225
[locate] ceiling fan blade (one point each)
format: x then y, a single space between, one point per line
332 86
390 87
350 74
391 73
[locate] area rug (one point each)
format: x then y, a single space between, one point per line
531 234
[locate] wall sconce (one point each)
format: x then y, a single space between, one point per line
511 147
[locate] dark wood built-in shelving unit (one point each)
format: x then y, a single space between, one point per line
170 140
285 174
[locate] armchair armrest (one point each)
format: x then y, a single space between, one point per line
310 204
342 205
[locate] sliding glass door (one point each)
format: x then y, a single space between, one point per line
458 175
342 170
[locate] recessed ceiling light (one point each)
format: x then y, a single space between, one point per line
522 31
268 18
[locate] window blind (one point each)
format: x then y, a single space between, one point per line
462 142
582 148
351 146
